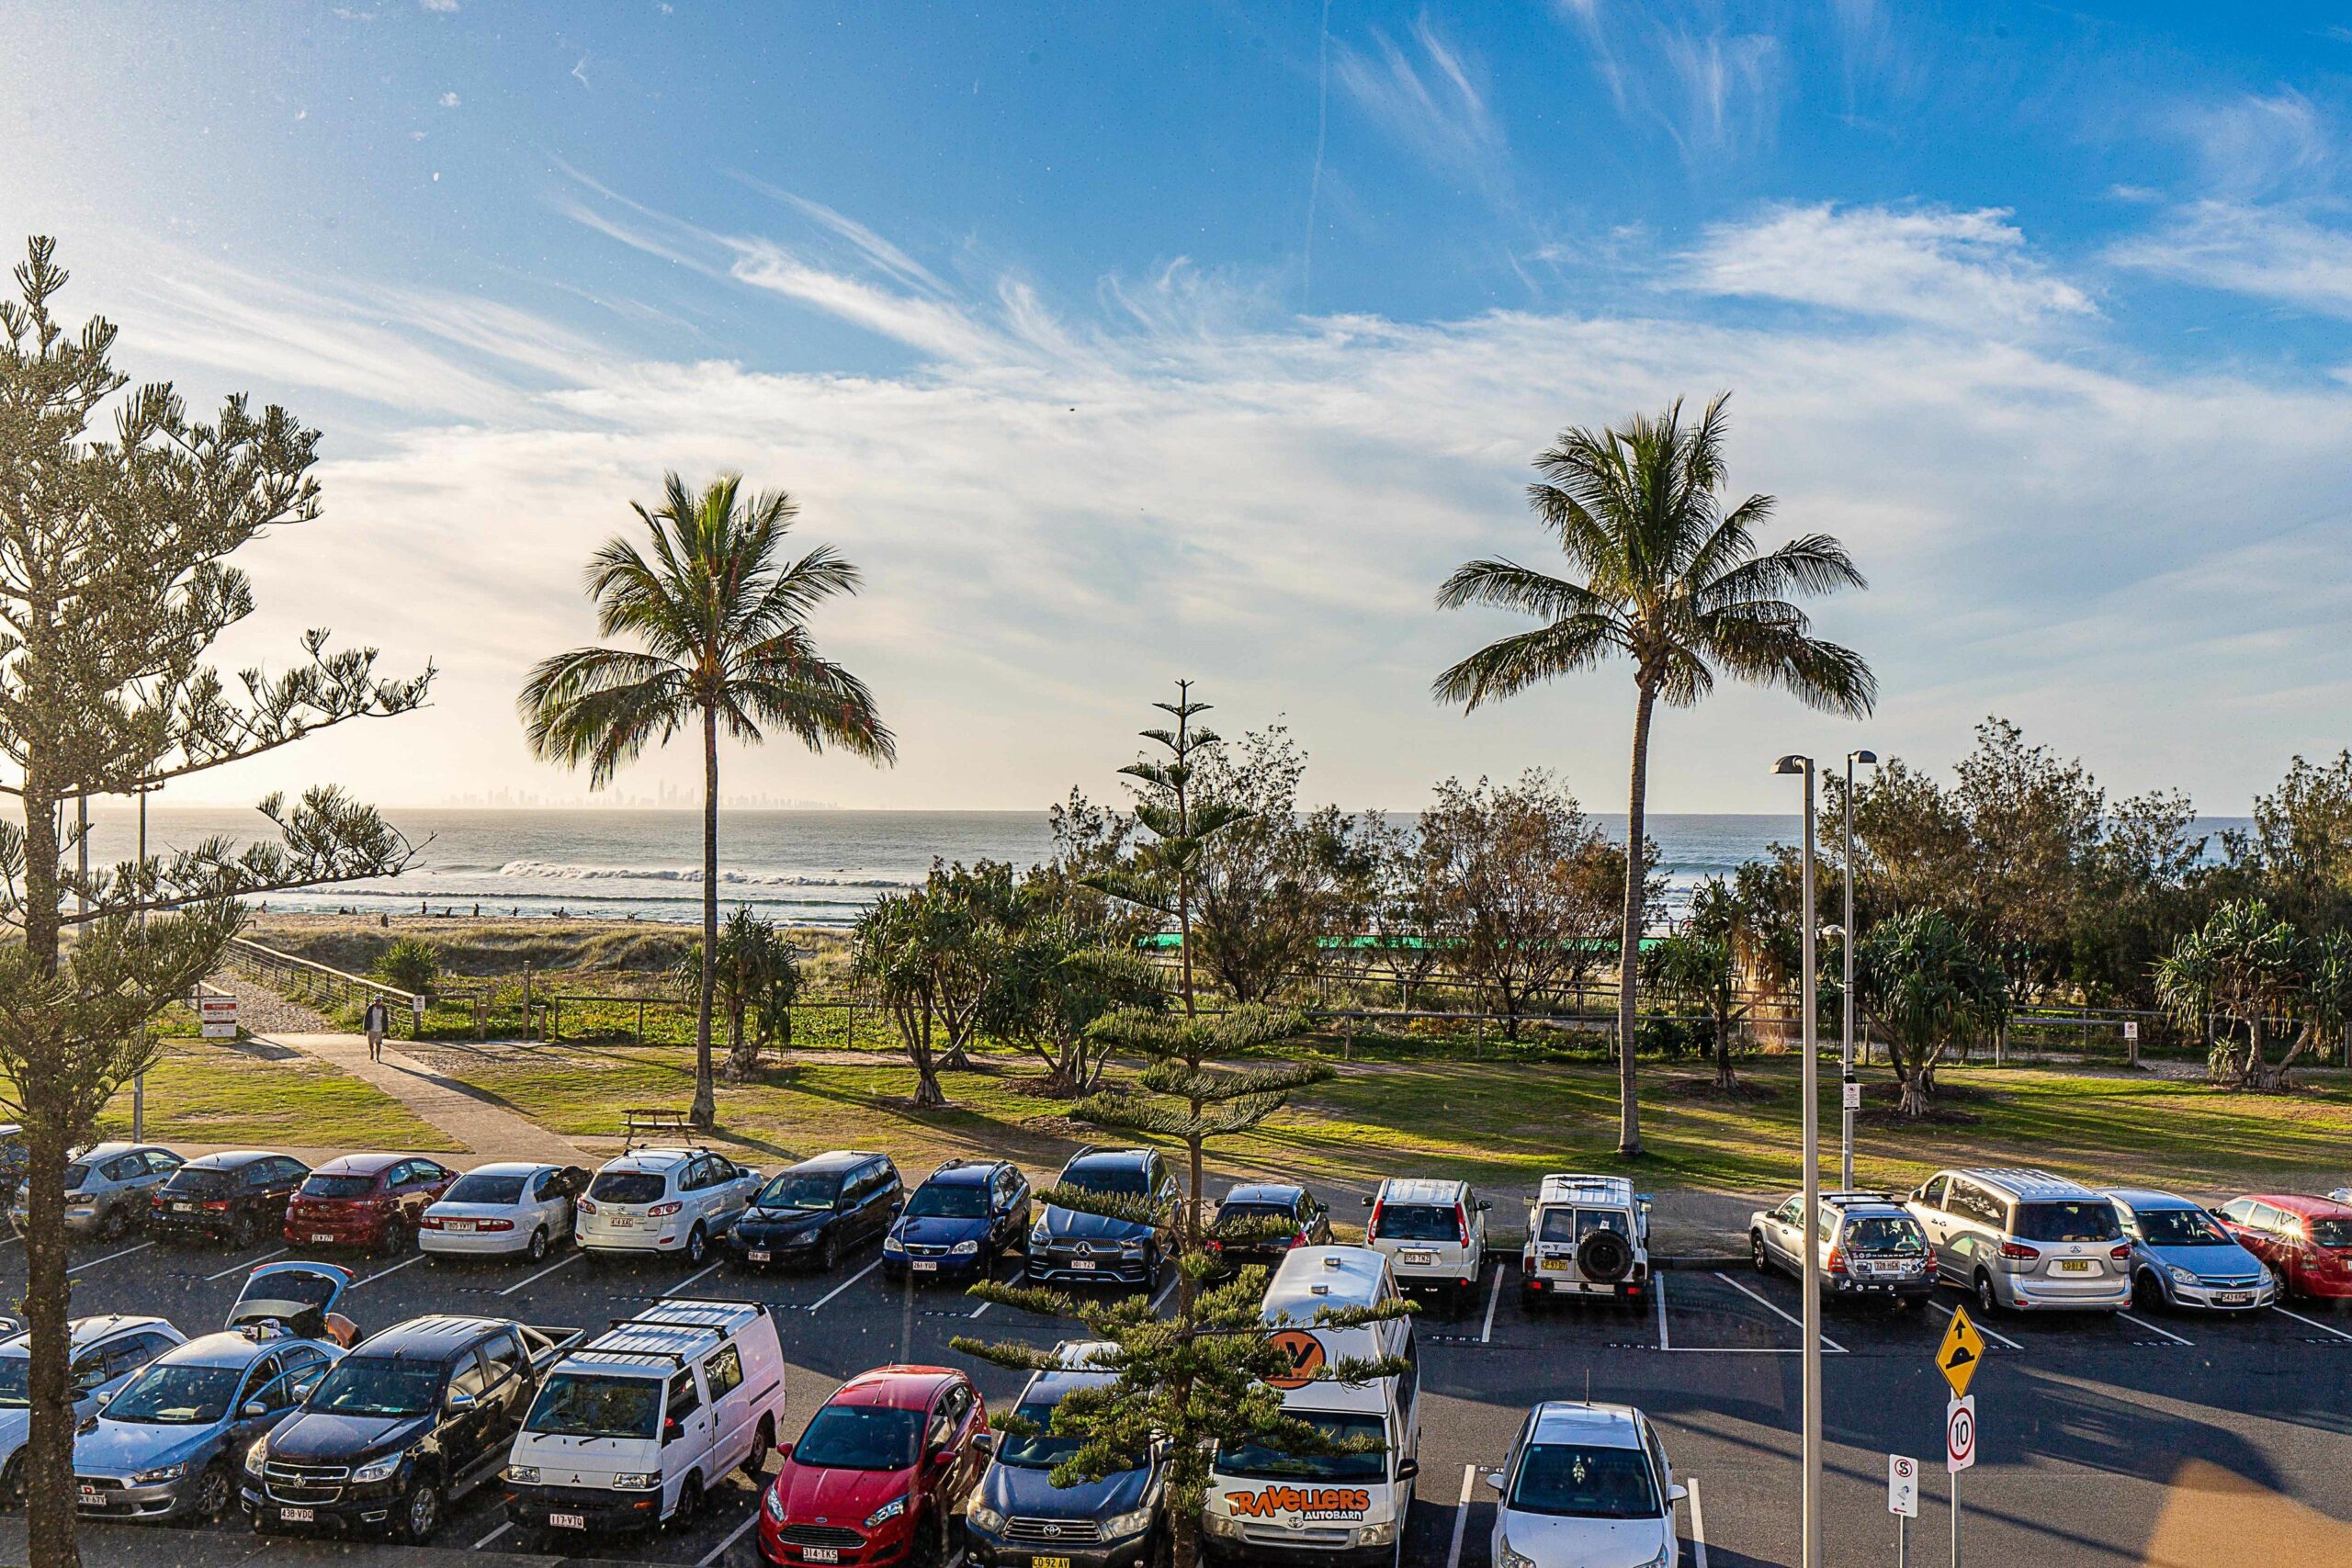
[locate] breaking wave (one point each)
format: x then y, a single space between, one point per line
565 871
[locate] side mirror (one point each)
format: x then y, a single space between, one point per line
1495 1479
460 1403
1485 1204
672 1428
783 1452
984 1442
1367 1199
1677 1493
254 1410
1408 1468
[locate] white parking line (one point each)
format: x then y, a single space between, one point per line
2298 1317
1461 1517
1494 1298
983 1309
2154 1328
393 1269
1659 1281
716 1552
690 1279
1997 1338
251 1263
531 1279
845 1284
493 1536
111 1256
1698 1524
1768 1306
1173 1277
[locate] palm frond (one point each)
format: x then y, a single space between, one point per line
1509 665
1506 585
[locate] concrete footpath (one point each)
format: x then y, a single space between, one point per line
464 1113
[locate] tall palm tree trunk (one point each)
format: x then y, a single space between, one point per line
705 1111
1629 945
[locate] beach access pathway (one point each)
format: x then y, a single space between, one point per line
478 1124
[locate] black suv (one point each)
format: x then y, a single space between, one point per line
237 1198
414 1418
814 1212
964 1216
1068 1246
1259 1222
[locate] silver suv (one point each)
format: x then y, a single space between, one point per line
107 1188
2026 1240
1869 1246
1434 1234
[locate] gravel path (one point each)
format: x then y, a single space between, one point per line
263 1011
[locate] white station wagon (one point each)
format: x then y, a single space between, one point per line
663 1200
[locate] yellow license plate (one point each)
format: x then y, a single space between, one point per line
2073 1266
1049 1563
1557 1265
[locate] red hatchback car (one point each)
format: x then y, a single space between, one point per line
367 1200
879 1473
2305 1242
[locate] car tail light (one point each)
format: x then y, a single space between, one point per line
2019 1251
664 1211
1837 1263
493 1224
584 1206
1298 1241
429 1222
2121 1254
217 1206
1372 1226
1461 1226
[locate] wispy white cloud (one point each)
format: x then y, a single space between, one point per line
443 7
2256 142
2299 255
1432 96
449 100
1727 89
1960 269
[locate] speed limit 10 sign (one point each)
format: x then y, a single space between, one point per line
1960 1433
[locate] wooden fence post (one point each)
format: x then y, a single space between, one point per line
526 998
641 1020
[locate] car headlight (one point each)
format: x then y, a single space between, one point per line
523 1474
887 1512
1377 1535
774 1504
1040 1235
1665 1557
1226 1524
893 1244
1513 1559
378 1470
1119 1525
964 1248
256 1456
158 1475
987 1518
637 1483
1131 1249
2181 1276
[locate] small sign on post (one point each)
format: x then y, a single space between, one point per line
1960 1433
1853 1095
1962 1349
1902 1501
2130 1029
217 1016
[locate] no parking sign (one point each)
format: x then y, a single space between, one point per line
1903 1486
1960 1433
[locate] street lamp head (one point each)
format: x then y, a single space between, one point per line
1867 758
1793 763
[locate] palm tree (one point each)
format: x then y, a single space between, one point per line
1672 581
720 619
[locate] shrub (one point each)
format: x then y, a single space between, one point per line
413 963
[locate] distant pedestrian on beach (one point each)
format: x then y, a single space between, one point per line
376 1021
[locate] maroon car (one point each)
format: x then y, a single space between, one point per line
365 1200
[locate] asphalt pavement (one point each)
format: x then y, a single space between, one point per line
2084 1422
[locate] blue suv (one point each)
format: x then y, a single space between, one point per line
1073 1248
965 1216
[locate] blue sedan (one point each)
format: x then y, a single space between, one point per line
168 1446
2182 1258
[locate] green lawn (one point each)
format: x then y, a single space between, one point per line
200 1093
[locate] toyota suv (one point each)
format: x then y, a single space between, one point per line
662 1201
2026 1240
1868 1245
1020 1516
1587 1236
1069 1244
1434 1234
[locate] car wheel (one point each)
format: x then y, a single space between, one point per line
1755 1250
394 1242
539 1249
211 1498
111 1228
755 1463
1987 1301
2277 1280
1151 1270
12 1481
689 1507
421 1514
697 1244
829 1252
930 1550
240 1231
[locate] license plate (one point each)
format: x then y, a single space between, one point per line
461 1227
621 1222
1556 1265
568 1521
821 1553
320 1236
757 1254
1049 1563
90 1493
2237 1298
1082 1263
929 1268
297 1516
1412 1257
2073 1266
183 1208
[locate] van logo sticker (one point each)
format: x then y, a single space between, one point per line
1304 1503
1305 1354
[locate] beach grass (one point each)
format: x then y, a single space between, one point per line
199 1093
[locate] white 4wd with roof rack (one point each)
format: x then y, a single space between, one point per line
678 1199
1587 1235
1434 1234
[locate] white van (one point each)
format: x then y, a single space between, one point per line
632 1429
1345 1509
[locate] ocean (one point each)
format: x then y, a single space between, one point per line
817 868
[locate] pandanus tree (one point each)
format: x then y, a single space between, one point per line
718 614
1663 575
2242 966
1927 985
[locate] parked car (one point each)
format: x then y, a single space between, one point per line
1259 1222
1584 1484
297 1299
373 1201
1069 1244
676 1200
1434 1234
879 1473
2305 1241
1018 1516
237 1198
170 1446
105 1352
1587 1236
965 1215
500 1209
107 1188
398 1430
2025 1240
632 1429
16 1155
814 1212
2184 1258
1867 1244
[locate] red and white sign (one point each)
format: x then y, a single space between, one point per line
1903 1487
1960 1433
218 1015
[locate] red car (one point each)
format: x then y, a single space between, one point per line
2305 1242
365 1200
879 1473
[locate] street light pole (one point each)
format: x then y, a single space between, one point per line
1810 1096
1846 1096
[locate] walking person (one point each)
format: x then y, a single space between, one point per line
376 1021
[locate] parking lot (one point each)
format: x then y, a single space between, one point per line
2085 1420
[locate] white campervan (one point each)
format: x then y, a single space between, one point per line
633 1427
1340 1510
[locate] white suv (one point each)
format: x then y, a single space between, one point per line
1586 1484
1587 1235
1433 1231
663 1200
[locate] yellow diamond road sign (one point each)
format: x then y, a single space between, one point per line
1962 1350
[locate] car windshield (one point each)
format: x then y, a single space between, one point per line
189 1182
493 1190
592 1405
948 1200
2332 1232
16 1372
171 1396
338 1187
860 1437
1886 1233
1415 1221
1040 1450
2181 1227
1580 1483
369 1385
1257 1459
1115 1177
627 1187
810 1190
2083 1219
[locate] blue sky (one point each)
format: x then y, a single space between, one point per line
1124 342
